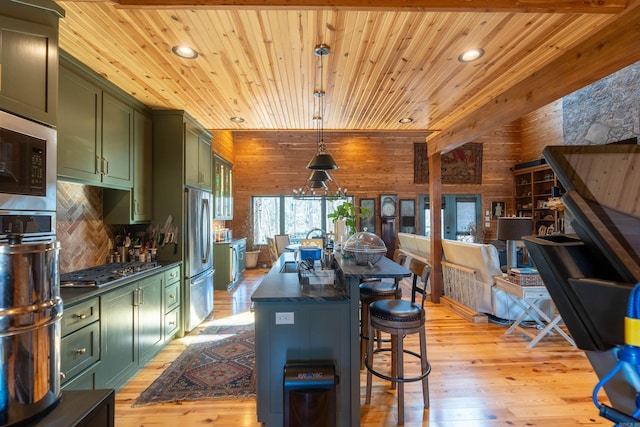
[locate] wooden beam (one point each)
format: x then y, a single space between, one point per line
611 49
435 207
521 6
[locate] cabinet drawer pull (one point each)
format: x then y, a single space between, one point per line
81 351
172 323
62 376
172 296
80 316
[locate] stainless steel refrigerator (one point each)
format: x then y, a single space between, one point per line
199 258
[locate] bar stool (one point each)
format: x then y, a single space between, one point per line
369 292
400 318
373 290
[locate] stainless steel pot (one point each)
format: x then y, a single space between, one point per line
30 312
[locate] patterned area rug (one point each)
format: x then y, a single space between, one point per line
218 364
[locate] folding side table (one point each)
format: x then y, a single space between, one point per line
529 299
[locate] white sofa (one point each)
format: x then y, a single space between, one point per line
468 271
415 246
467 278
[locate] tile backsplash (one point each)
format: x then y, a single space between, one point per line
85 240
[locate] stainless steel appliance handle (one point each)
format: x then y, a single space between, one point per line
205 233
234 263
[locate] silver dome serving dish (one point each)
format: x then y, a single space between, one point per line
364 248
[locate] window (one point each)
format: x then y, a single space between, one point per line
289 215
266 218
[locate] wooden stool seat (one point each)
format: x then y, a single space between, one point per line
371 291
400 318
392 312
379 289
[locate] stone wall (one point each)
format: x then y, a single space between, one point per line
605 111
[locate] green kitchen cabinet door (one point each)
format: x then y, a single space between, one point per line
197 158
118 346
134 206
150 317
29 59
79 128
142 169
117 142
205 162
191 153
223 189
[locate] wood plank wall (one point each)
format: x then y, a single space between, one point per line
541 128
371 163
222 144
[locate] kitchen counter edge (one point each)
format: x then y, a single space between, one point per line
71 296
281 287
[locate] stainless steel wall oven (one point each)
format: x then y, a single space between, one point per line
27 179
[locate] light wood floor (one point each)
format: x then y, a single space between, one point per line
480 378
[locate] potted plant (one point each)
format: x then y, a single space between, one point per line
346 213
253 250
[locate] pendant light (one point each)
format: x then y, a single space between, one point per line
322 160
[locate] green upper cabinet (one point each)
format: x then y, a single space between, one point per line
95 134
134 206
79 128
142 169
115 164
29 60
223 189
197 157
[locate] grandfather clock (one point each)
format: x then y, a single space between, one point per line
388 209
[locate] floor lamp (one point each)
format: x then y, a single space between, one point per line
511 229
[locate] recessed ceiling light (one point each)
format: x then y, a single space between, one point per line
406 120
184 52
237 119
471 55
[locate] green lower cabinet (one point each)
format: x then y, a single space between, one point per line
172 324
107 338
80 350
119 343
150 318
132 320
84 381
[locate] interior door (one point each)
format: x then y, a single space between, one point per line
461 216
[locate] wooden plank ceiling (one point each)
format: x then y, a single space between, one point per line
387 61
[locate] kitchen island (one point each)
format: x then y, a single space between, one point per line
315 324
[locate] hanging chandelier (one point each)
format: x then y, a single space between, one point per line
321 160
320 183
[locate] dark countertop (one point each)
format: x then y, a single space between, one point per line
230 242
72 296
385 268
279 287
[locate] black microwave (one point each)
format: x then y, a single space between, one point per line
23 164
27 165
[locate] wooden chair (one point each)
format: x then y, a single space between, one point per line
282 240
400 318
273 251
312 242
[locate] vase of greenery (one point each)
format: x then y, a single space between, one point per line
347 213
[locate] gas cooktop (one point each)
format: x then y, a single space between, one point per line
102 275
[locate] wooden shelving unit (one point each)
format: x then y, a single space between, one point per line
532 191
